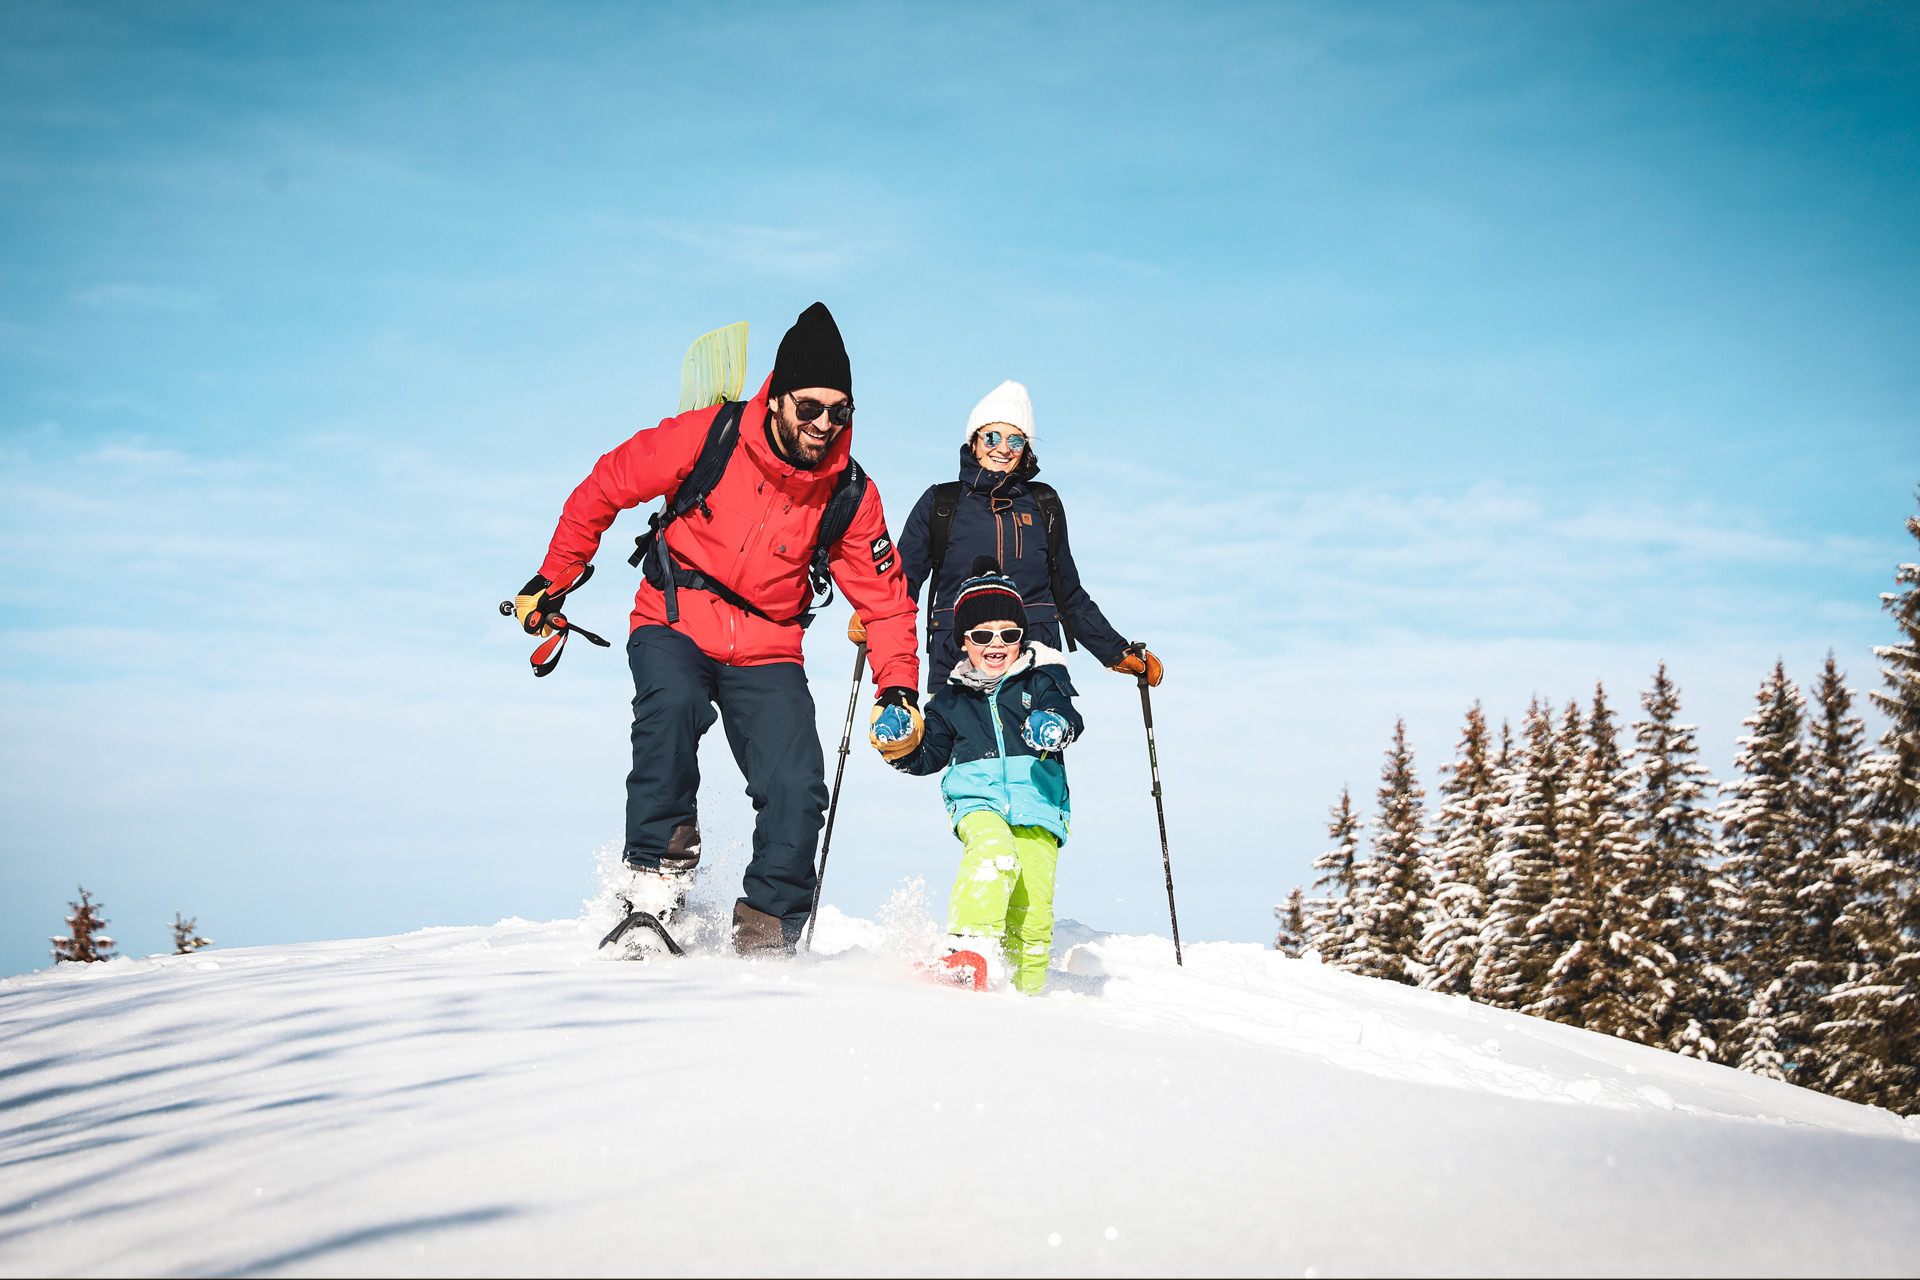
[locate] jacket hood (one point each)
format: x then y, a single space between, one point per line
755 424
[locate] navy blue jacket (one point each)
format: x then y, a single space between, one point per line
997 516
980 742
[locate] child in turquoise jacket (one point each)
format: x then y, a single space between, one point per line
998 727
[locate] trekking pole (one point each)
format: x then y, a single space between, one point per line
833 805
1166 860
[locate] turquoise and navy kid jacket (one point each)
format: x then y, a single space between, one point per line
977 737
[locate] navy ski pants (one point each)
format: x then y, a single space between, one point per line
768 715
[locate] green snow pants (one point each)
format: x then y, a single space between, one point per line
1005 892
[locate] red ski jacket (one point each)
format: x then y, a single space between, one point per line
766 513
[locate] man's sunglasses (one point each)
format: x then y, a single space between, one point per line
986 635
839 413
1015 441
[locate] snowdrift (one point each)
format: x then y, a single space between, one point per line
501 1100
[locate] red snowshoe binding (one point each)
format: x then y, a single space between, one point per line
956 969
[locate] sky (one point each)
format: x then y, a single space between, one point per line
1387 358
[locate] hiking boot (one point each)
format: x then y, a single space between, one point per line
759 935
659 893
659 886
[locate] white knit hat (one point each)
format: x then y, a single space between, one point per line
1006 403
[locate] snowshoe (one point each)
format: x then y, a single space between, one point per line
643 920
955 969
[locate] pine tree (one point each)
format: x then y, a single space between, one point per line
1389 944
1511 970
1292 915
85 941
1333 920
1668 790
1871 1048
186 938
1564 930
1464 831
1606 963
1834 835
1761 823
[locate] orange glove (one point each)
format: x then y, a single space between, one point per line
540 598
856 629
1139 660
897 726
533 605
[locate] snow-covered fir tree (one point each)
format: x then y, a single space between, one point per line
1333 918
1833 840
1870 1049
1465 830
1672 826
1511 970
1388 944
1565 929
1292 915
1607 973
86 939
1762 824
186 935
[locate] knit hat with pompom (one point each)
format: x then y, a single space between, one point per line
987 596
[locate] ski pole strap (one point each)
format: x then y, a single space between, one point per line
547 656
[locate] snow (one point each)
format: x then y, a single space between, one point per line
504 1100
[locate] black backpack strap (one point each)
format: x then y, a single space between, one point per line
722 435
667 574
1053 518
849 491
946 501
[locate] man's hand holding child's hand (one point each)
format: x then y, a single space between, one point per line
896 728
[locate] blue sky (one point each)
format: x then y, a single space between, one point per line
1388 357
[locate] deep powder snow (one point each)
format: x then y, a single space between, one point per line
501 1100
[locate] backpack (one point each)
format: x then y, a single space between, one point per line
660 568
1053 518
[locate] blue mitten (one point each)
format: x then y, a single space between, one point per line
896 727
892 724
1047 731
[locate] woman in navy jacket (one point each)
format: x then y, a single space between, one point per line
997 514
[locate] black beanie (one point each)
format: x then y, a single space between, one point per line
811 355
987 596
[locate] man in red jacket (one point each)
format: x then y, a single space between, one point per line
733 641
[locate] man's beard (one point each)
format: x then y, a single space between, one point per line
795 447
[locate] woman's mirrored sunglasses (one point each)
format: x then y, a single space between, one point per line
1015 441
840 413
987 635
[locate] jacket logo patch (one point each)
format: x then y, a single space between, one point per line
881 547
884 565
